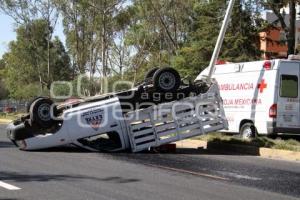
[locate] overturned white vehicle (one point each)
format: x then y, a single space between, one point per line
132 119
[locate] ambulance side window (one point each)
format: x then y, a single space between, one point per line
289 86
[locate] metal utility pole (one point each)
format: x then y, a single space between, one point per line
48 43
220 40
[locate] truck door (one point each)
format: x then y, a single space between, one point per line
288 109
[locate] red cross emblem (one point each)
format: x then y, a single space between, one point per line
262 85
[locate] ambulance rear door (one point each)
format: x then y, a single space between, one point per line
288 109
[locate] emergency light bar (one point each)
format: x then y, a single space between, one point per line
267 65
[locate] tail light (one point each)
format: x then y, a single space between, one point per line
273 111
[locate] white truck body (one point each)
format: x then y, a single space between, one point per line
265 93
136 130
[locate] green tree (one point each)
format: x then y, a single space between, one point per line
26 65
78 36
240 43
158 30
25 12
202 35
242 38
3 90
89 26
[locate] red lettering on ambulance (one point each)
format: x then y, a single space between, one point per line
237 86
242 101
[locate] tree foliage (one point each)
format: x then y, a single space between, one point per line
240 43
26 61
3 90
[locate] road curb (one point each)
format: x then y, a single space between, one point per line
220 147
279 154
195 144
5 121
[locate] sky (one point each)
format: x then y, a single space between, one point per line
7 34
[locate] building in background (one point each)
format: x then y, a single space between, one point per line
272 45
273 40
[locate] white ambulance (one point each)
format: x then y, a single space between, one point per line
260 97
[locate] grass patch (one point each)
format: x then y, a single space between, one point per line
10 116
262 141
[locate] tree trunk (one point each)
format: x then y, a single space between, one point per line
291 36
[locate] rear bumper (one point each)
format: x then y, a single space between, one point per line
272 129
287 130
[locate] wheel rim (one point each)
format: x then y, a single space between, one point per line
167 81
44 112
247 133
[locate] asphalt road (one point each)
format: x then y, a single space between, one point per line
70 173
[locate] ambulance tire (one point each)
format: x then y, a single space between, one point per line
166 80
248 131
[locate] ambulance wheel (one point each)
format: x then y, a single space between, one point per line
41 111
248 131
166 80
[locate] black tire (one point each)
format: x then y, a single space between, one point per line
166 80
248 131
31 102
150 73
41 111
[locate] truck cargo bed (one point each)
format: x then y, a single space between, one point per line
177 120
